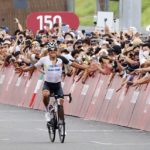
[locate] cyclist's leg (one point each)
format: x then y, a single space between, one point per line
61 109
46 93
59 91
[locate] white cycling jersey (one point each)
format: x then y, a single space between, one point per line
53 73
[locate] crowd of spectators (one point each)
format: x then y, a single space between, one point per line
125 54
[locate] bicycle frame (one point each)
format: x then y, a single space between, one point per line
56 103
56 123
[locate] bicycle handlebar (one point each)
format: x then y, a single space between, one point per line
65 95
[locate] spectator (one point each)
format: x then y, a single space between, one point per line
109 53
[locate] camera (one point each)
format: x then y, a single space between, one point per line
105 19
21 37
114 20
83 31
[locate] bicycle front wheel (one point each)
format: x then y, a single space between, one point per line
52 132
61 131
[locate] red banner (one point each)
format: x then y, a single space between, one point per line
37 20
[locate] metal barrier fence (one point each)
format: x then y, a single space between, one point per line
94 100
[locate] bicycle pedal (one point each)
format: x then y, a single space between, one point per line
51 122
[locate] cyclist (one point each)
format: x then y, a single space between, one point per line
52 64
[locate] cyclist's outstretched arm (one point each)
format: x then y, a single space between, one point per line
76 65
21 70
32 68
36 65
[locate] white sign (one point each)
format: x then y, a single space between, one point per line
148 28
105 17
99 87
85 89
2 79
18 81
121 99
135 97
72 87
109 94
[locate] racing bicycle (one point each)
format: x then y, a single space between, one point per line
56 122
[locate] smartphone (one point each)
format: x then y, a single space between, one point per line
105 20
65 28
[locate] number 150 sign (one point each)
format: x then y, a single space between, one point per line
37 20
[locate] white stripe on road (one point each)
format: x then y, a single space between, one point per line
81 131
120 144
4 139
100 143
14 120
39 129
14 111
95 131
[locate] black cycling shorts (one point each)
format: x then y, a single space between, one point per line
54 88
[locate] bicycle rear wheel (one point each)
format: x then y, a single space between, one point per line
61 131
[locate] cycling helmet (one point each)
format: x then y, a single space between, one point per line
51 46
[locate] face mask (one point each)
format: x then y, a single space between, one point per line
70 48
146 53
79 59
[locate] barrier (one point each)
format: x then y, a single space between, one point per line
78 91
91 84
68 82
127 107
141 112
146 110
110 92
94 100
111 99
115 106
37 88
16 90
98 99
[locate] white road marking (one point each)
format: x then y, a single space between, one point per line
120 144
96 142
85 131
14 111
4 139
93 131
14 120
41 129
81 131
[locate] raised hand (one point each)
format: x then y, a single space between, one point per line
19 70
16 20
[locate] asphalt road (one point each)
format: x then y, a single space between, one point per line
25 129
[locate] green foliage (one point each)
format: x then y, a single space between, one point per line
85 9
114 7
145 12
